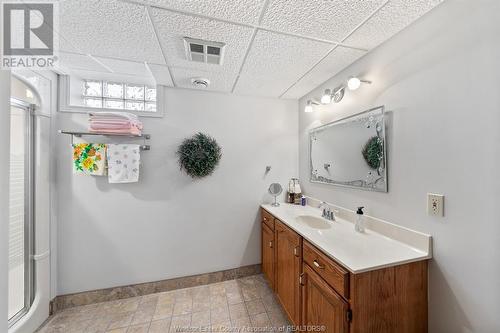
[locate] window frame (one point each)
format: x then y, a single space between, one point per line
66 107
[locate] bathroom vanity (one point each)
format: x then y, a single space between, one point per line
325 273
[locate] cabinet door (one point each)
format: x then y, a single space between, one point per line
321 305
268 254
288 265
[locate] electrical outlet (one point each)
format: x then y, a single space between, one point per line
435 204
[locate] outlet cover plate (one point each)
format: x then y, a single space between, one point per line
435 204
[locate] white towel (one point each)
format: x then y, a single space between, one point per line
123 163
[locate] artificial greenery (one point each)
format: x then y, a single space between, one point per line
373 151
199 155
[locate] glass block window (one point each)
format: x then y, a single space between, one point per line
113 90
121 96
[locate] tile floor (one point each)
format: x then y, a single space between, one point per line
246 304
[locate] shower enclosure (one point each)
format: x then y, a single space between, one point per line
20 210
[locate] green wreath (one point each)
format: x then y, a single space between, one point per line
373 151
199 155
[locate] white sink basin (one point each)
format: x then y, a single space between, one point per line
313 222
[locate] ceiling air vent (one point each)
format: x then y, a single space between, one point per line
200 82
205 51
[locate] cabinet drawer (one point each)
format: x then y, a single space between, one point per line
267 218
335 275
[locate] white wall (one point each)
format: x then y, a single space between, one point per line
4 194
169 225
440 81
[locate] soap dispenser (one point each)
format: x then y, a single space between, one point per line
359 226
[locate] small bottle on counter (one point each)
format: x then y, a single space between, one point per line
303 201
291 191
297 191
359 226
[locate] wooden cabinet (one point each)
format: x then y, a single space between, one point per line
321 305
267 219
315 290
268 253
288 269
333 274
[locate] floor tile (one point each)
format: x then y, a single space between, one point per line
260 321
241 323
118 330
242 303
141 317
237 311
201 304
120 320
179 322
166 298
270 302
199 319
183 307
255 307
234 297
221 327
219 315
98 325
163 311
142 328
160 326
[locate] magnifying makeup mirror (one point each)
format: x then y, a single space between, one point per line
275 189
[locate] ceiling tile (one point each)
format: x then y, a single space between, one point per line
329 20
124 66
391 19
276 61
242 11
172 27
335 62
161 74
75 61
108 28
114 77
219 81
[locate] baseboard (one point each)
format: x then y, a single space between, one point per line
111 294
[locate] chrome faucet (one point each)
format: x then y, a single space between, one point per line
328 213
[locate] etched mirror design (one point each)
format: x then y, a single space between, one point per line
351 152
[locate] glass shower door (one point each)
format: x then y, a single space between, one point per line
20 210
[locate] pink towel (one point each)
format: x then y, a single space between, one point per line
115 123
131 131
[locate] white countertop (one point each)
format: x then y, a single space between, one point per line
357 252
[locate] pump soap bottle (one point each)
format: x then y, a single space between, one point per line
359 226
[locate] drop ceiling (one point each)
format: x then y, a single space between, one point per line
274 48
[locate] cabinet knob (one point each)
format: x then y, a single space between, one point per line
296 251
316 263
301 279
271 244
265 218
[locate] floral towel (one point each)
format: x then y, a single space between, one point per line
89 159
123 163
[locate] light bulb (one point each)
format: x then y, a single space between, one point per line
327 97
353 83
309 107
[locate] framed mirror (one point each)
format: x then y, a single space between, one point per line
351 152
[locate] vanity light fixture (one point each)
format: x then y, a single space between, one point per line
309 106
327 97
335 96
338 94
354 82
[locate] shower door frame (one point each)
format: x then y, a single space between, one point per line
29 205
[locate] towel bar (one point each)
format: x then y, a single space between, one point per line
78 134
